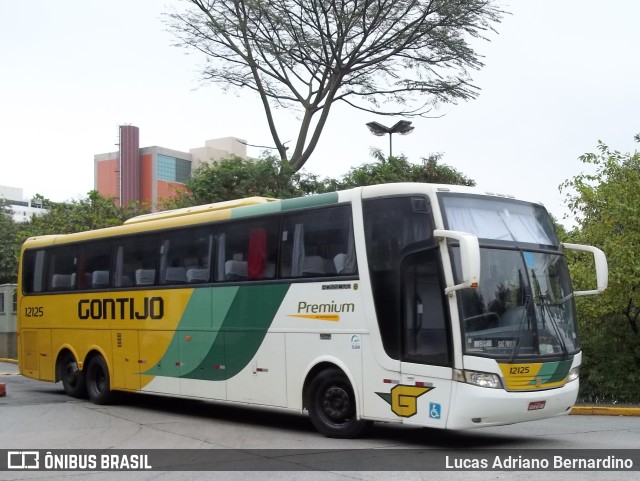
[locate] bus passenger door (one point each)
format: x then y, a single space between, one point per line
426 368
126 360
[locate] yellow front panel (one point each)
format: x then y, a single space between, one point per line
535 375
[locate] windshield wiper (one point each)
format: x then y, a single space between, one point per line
545 305
525 315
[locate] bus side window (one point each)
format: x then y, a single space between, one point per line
186 257
94 269
33 271
61 269
393 226
247 250
426 337
318 243
136 259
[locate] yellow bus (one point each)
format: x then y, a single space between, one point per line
432 305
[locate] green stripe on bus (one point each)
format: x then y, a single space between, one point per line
241 333
256 210
285 205
551 372
200 315
310 201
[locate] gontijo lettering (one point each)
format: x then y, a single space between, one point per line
121 308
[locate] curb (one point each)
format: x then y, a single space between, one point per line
604 411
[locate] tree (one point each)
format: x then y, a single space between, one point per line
93 212
8 255
389 57
606 204
235 178
399 169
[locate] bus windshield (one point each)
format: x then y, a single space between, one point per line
523 307
499 219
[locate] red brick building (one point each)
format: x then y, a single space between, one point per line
147 175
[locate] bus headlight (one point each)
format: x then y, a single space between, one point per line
477 378
573 374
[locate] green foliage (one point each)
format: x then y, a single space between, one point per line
93 212
235 178
606 203
8 236
399 169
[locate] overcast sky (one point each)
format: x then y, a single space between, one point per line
559 75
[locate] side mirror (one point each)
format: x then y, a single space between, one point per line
602 270
469 258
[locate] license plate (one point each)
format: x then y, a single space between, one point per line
536 405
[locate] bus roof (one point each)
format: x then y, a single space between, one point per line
220 211
199 209
248 207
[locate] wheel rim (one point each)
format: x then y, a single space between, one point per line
70 373
336 405
100 379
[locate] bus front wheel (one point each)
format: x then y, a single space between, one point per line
98 382
332 406
72 377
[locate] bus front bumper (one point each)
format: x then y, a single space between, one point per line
475 407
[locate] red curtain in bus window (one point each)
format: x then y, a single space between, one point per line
257 256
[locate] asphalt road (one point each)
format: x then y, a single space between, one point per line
39 416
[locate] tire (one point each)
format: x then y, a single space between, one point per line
332 406
72 378
98 381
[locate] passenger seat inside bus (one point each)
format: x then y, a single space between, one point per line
314 266
175 275
61 282
196 274
235 270
145 277
100 279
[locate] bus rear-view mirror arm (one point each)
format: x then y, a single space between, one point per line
602 270
469 258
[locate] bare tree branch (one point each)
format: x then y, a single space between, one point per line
407 55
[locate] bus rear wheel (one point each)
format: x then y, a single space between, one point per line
98 382
332 406
72 377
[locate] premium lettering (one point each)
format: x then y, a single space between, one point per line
333 307
121 308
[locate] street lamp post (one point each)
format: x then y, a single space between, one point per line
402 127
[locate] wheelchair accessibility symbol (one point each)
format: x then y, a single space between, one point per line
435 410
